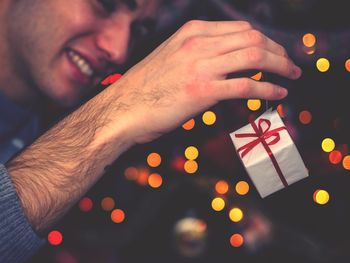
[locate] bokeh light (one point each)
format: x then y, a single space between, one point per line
209 118
107 204
218 204
189 125
221 187
154 159
131 173
328 145
305 117
309 50
254 105
280 110
143 174
309 40
346 162
322 64
236 214
321 197
335 157
258 76
347 65
117 216
85 204
155 180
191 166
242 188
55 238
191 153
236 240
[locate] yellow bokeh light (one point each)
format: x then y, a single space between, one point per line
191 153
191 166
257 76
346 162
155 180
209 118
107 204
154 159
236 214
236 240
321 197
218 204
328 145
347 65
189 125
309 40
254 105
323 64
242 188
221 187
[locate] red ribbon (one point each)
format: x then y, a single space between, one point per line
262 135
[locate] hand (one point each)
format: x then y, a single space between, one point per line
188 74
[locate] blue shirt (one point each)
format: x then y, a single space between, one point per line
18 128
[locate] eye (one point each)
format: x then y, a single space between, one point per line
144 27
108 5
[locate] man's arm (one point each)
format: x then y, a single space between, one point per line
182 77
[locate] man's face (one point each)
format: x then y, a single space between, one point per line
62 48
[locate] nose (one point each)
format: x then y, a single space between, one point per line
113 40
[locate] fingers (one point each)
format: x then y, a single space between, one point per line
212 28
254 58
239 40
248 89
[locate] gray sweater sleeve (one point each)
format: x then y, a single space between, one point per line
18 241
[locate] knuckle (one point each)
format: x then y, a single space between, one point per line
244 87
255 55
256 37
244 25
192 42
192 26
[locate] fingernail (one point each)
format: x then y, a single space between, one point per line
282 92
297 71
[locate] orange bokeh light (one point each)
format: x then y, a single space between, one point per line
280 110
131 173
189 125
346 162
107 204
309 40
257 76
335 157
305 117
347 65
191 166
154 159
221 187
155 180
117 216
143 175
236 240
242 188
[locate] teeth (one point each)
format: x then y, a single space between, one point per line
81 63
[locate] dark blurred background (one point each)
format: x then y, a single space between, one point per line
176 222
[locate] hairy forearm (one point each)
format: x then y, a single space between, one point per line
59 167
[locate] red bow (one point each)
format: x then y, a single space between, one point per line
262 135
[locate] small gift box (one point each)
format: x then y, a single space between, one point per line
269 154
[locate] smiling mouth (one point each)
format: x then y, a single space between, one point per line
82 64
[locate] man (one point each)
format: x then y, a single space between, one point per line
60 49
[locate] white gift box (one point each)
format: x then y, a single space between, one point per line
269 154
